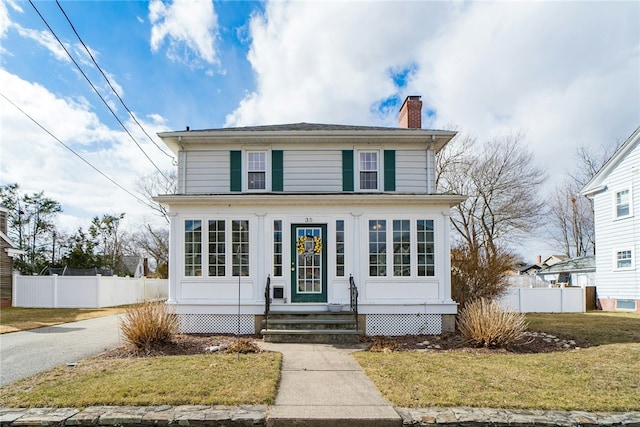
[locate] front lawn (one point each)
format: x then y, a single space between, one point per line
203 379
605 377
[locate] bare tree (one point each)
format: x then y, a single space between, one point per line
571 215
153 242
502 183
156 183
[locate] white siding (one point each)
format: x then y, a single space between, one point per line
411 171
616 234
312 171
207 172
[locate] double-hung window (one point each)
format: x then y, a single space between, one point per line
622 203
368 168
624 259
257 170
193 247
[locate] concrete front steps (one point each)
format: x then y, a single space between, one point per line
311 327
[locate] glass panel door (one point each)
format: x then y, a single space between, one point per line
308 263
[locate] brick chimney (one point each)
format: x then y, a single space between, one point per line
410 116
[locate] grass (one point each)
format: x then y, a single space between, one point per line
601 378
14 319
211 379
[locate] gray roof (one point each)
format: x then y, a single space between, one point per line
303 126
585 263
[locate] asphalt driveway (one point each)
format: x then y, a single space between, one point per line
26 353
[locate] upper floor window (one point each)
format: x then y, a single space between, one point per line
257 170
368 167
623 203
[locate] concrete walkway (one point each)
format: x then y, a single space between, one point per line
323 385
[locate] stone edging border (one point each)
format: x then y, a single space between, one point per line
257 415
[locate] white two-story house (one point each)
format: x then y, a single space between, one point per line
309 207
615 191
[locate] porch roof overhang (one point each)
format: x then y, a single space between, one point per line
326 199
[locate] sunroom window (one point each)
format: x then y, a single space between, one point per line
193 247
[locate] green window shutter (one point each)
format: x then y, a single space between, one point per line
389 170
236 170
277 167
347 170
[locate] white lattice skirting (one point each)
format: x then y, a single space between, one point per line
216 324
404 324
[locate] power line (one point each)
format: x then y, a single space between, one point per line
76 154
109 82
96 90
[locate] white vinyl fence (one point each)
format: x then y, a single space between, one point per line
544 300
85 291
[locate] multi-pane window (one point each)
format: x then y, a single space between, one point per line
193 247
240 247
401 247
377 247
257 170
340 248
622 203
368 170
217 254
277 248
624 259
425 247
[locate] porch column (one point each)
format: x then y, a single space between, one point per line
174 264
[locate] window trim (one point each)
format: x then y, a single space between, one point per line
380 169
267 172
615 203
615 259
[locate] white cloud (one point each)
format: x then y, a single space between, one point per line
33 159
330 61
189 27
5 21
563 73
45 39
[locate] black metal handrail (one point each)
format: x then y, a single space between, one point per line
267 301
353 299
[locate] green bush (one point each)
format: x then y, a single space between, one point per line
148 325
483 323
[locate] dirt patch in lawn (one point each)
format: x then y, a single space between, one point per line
189 344
532 342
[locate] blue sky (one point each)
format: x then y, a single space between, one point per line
564 74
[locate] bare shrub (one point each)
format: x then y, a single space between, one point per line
147 325
244 346
484 323
477 274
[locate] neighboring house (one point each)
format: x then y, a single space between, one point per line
553 259
571 272
307 207
8 250
615 191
